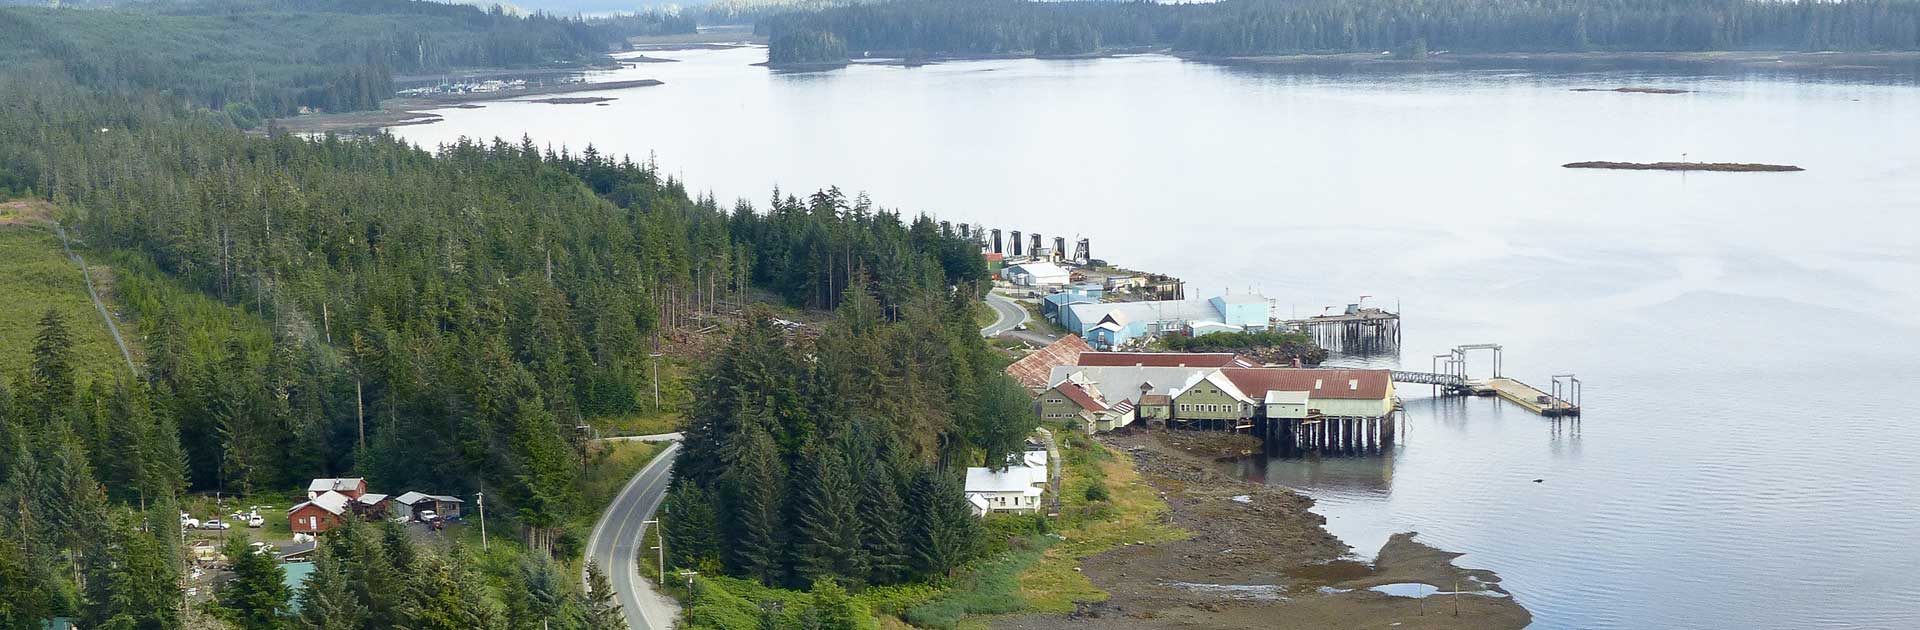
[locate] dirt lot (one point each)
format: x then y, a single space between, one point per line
1259 559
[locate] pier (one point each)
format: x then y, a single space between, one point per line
1359 330
1449 378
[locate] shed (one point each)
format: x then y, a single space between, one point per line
371 506
1036 274
408 506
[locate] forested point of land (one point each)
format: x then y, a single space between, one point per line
446 321
1264 27
253 59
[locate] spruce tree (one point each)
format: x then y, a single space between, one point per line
51 374
257 598
327 601
882 514
829 534
691 527
942 531
602 611
140 586
754 495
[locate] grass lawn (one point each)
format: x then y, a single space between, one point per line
1133 513
35 276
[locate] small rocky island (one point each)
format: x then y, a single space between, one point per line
1729 167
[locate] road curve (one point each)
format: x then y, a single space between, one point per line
616 545
1010 313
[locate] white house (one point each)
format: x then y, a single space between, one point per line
1011 490
1036 274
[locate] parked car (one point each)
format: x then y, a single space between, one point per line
214 523
255 521
427 516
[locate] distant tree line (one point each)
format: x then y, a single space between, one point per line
262 58
652 22
1254 27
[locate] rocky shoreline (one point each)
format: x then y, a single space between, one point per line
1260 558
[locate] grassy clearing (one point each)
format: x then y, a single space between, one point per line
610 466
989 587
638 424
1133 513
35 276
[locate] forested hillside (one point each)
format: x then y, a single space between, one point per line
1252 27
446 321
255 58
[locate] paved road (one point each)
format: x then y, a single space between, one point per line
1011 314
616 545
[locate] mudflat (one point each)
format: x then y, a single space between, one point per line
1258 558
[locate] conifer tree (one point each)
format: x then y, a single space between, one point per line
139 586
692 528
51 375
327 601
829 534
754 494
602 612
942 532
257 598
882 514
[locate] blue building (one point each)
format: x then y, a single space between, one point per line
1112 324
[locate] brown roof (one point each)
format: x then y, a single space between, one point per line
1165 359
1034 369
1342 384
1156 399
1080 396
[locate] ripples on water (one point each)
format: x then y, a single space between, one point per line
1747 458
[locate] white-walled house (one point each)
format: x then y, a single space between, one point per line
1012 490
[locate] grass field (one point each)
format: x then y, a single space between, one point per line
34 277
1132 513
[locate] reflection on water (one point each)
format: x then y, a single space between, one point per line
1746 456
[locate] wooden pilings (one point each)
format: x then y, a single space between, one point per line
1370 331
1329 436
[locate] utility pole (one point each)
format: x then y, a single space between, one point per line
481 499
660 537
656 374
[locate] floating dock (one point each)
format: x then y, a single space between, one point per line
1527 396
1449 377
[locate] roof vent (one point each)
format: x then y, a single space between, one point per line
1316 383
1353 384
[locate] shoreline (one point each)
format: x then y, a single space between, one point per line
1297 575
1778 60
398 112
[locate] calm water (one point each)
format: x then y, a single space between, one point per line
1748 456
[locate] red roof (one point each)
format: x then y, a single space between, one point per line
991 256
1319 383
1080 396
1165 359
1034 369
